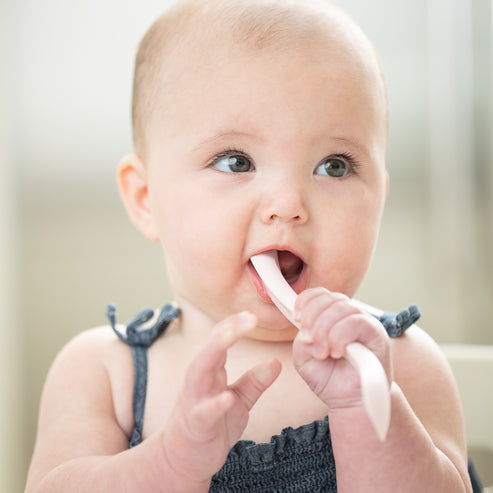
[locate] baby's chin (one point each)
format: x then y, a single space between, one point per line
267 335
274 331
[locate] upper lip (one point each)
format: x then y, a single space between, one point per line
278 247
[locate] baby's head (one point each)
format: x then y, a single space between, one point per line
194 32
258 124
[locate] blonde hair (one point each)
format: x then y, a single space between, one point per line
255 24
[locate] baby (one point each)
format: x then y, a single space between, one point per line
258 125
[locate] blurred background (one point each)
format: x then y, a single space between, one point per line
67 248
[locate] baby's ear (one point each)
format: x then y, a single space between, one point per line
132 184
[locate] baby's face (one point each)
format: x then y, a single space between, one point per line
259 151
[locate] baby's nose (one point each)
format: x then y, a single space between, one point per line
284 203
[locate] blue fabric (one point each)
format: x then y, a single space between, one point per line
297 460
477 486
139 339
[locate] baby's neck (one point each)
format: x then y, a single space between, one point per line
195 325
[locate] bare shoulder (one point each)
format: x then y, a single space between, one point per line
80 377
77 412
419 363
90 361
424 375
87 354
92 342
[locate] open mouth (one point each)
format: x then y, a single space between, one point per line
293 270
291 266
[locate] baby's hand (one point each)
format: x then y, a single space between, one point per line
210 415
329 322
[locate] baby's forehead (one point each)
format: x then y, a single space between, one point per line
211 32
197 33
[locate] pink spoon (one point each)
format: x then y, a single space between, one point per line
374 383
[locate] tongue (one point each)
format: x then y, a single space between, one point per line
290 265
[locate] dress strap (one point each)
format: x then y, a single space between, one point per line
397 324
139 338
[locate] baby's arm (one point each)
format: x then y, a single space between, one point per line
425 447
81 447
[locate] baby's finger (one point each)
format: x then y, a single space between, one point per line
250 386
366 330
212 356
359 328
310 304
306 296
323 325
205 415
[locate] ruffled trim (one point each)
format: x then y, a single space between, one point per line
299 459
310 437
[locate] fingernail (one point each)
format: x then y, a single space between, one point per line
306 335
336 354
320 352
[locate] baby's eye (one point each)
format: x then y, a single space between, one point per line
335 166
232 163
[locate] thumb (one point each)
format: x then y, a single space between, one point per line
252 384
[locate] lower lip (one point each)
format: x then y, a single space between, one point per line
299 285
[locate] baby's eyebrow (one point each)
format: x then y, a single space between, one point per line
234 137
360 148
226 135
